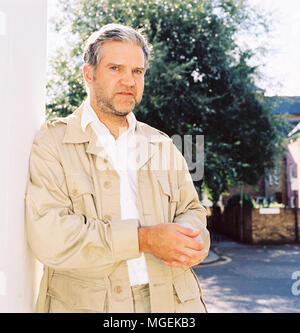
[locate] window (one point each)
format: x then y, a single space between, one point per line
275 177
292 201
291 171
270 179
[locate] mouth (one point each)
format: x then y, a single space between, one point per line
125 93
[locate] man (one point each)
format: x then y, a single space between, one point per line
115 230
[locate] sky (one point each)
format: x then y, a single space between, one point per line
279 68
282 65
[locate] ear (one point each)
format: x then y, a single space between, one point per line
87 74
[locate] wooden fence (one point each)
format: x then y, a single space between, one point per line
255 226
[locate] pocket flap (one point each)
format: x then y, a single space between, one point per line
186 286
78 295
165 186
173 193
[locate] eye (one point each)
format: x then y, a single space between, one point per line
138 71
114 68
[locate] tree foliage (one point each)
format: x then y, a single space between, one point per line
199 82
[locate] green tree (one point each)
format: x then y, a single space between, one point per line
199 82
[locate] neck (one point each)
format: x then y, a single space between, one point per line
115 124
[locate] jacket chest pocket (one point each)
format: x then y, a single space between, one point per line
82 195
169 199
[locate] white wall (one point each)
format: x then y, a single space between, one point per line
23 26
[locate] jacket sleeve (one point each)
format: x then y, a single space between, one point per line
189 211
58 237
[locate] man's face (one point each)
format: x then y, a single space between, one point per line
117 84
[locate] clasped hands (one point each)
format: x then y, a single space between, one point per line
175 244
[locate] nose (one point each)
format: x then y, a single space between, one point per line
128 79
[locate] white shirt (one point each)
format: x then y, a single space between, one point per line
122 155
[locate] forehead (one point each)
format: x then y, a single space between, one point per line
122 53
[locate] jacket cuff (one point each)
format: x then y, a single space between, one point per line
204 236
125 242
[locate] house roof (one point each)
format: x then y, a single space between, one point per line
287 105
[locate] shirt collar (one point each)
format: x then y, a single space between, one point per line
88 115
75 134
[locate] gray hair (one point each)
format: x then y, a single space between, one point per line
113 32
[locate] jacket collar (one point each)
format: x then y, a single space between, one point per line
148 137
74 132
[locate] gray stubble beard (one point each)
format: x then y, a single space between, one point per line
106 106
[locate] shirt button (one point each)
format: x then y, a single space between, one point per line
118 289
107 184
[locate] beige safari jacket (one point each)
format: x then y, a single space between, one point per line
74 227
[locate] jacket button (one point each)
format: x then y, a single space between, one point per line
107 184
118 289
74 191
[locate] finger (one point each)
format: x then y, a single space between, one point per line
194 244
192 257
199 260
186 261
189 259
187 231
175 264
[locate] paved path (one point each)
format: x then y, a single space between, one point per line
241 278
